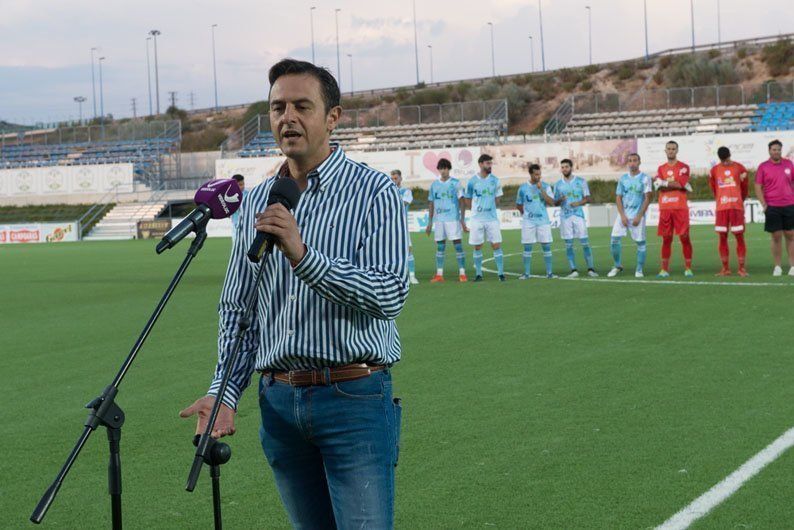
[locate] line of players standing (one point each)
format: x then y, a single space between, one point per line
448 201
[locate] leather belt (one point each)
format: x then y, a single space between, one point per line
325 376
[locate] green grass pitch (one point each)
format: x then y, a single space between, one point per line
536 404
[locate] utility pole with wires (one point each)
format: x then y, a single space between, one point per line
134 109
172 93
192 106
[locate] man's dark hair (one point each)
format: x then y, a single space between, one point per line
533 167
634 154
723 153
566 161
484 158
238 178
444 164
672 142
328 85
397 172
775 142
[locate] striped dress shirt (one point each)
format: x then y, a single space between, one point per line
338 305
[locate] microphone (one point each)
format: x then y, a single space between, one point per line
285 191
216 199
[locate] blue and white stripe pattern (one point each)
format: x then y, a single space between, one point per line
338 305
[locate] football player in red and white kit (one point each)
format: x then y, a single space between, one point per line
672 181
728 181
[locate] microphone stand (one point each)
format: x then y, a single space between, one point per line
208 449
106 413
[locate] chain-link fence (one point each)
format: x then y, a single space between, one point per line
112 132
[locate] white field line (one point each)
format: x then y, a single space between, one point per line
730 484
635 281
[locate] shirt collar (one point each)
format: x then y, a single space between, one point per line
327 169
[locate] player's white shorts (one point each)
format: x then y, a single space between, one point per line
531 234
637 232
479 231
444 230
573 227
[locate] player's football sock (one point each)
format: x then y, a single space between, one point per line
478 262
642 253
461 257
616 248
411 265
547 257
527 255
442 246
667 250
741 249
588 252
723 249
569 253
686 246
498 257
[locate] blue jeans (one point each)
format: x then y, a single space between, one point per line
333 449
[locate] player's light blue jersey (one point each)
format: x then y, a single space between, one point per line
445 196
406 196
529 196
483 193
574 190
632 191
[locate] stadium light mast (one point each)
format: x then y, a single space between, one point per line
542 50
149 75
311 25
719 29
350 56
532 52
154 33
214 68
338 67
80 100
493 59
101 94
93 82
692 19
416 46
430 47
645 13
589 33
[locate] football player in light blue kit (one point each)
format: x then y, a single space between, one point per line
571 192
236 215
407 198
482 196
633 196
445 199
532 199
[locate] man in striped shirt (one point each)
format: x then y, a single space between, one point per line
323 336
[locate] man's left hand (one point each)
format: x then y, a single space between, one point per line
277 220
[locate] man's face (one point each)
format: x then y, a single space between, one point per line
671 150
566 170
241 183
486 166
634 164
444 172
298 119
775 152
534 176
397 179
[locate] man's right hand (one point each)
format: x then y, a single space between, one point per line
624 220
224 424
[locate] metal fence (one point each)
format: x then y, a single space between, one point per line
111 132
688 97
388 115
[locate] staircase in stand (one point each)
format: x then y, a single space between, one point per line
121 222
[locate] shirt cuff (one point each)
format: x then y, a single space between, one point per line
313 267
232 395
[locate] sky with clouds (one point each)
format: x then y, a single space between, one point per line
45 44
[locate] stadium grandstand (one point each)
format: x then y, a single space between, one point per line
714 109
407 127
152 147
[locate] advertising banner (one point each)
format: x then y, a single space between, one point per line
59 180
153 229
39 232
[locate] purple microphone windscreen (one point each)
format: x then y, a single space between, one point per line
223 196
